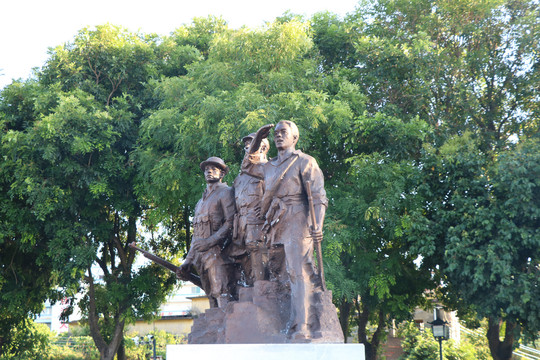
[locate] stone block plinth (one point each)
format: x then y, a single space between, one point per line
266 351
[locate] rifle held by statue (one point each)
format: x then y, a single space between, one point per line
196 280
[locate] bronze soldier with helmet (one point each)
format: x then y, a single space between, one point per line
249 247
212 227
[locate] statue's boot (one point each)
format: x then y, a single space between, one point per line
301 335
222 301
257 266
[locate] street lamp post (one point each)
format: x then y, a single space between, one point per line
441 332
154 346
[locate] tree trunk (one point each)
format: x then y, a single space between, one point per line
376 338
362 317
344 314
110 350
500 350
371 347
121 353
106 351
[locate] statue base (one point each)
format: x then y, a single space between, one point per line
267 351
261 316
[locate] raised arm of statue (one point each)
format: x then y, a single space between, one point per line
251 164
261 134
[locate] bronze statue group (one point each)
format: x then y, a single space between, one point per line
264 227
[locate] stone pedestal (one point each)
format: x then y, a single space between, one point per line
261 316
267 351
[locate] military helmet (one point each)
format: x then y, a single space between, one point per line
249 137
214 160
252 136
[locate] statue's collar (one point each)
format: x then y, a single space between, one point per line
210 188
276 161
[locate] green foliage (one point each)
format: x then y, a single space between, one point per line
27 277
464 65
249 79
67 347
333 40
66 145
367 253
36 341
421 345
478 341
29 340
107 62
141 346
383 185
417 344
406 105
174 58
458 67
200 33
484 227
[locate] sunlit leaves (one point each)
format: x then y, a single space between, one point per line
484 224
106 61
467 65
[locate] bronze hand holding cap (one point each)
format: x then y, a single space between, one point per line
258 137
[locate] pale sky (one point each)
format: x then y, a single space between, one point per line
29 27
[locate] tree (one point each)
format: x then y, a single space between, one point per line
368 254
459 67
482 225
27 277
207 111
71 169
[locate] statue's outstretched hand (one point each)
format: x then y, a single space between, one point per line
261 134
264 131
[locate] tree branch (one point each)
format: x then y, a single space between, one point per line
96 73
188 227
118 244
115 86
111 247
376 338
103 265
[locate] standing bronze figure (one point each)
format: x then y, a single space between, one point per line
290 232
212 226
248 245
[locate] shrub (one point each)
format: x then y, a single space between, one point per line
420 345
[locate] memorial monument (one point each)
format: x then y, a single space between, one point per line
253 248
